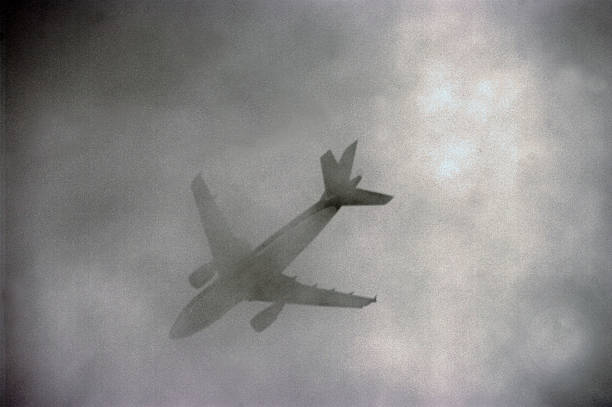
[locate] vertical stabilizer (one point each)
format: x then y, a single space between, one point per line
340 189
345 165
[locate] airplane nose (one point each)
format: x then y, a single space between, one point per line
204 309
185 326
178 330
191 320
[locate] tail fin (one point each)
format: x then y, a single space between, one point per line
338 185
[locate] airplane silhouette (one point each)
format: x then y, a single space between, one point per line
245 274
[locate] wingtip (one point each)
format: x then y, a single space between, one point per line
370 301
197 180
174 333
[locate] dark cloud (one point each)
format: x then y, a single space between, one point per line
487 121
569 40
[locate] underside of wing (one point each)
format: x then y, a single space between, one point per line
288 290
225 247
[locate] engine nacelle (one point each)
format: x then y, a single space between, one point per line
202 275
263 320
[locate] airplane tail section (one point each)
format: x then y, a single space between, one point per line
340 188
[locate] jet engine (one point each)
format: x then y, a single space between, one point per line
263 320
202 275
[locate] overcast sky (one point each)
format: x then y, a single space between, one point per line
488 121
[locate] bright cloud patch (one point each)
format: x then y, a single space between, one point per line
450 159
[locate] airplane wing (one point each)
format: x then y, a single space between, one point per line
224 246
286 289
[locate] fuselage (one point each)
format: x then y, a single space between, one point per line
236 280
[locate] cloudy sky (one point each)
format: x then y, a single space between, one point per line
489 122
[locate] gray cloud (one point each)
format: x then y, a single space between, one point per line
488 122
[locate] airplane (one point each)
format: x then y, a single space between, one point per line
238 273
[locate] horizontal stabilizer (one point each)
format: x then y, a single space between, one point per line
364 197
